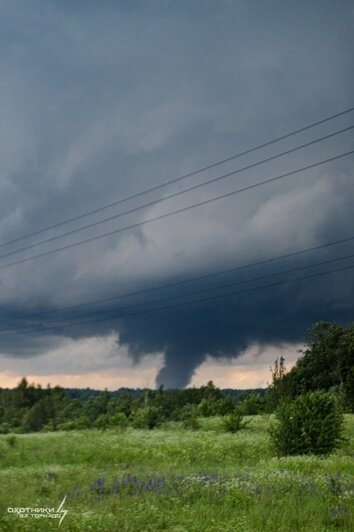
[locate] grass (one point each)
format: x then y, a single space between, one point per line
175 480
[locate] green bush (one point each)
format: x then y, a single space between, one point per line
251 405
147 418
11 441
217 406
309 424
188 414
49 427
119 420
111 421
233 422
81 422
5 428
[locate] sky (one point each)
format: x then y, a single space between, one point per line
101 101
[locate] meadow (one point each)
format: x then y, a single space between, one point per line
175 479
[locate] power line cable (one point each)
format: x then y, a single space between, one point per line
174 194
220 287
202 300
178 211
185 281
180 178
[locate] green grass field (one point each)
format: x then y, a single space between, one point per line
175 480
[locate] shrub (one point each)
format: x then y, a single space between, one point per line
81 422
188 414
191 423
49 427
309 424
147 418
117 420
5 428
251 405
218 406
102 422
233 422
11 441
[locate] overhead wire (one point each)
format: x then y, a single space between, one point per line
184 281
185 303
178 211
180 178
175 194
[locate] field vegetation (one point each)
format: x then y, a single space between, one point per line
176 479
200 459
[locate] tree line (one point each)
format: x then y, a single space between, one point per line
325 365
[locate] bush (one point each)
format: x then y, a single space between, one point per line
216 406
147 418
11 441
188 414
251 405
49 427
111 421
81 422
233 422
119 420
310 424
5 428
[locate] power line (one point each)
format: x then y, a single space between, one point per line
174 194
178 211
227 285
180 178
201 300
185 281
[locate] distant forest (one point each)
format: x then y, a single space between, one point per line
83 394
326 364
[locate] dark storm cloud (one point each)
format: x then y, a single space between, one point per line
101 101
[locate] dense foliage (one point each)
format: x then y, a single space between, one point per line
326 364
30 408
310 424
